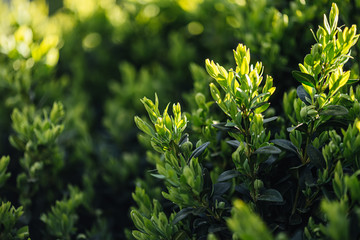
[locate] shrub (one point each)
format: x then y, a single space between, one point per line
70 74
290 176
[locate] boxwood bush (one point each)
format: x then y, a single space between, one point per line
71 75
289 176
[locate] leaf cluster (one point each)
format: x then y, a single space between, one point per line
298 180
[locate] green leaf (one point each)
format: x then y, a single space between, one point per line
334 110
144 126
234 143
268 150
216 228
353 185
257 105
222 126
227 175
23 232
266 120
262 108
182 214
208 185
286 144
184 139
159 176
230 124
351 81
326 25
221 187
304 78
198 151
271 195
295 219
303 95
181 235
315 156
301 127
259 96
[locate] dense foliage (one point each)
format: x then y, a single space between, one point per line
73 164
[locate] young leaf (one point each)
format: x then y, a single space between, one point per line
262 108
144 126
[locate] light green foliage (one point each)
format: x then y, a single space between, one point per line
260 25
337 214
351 145
4 162
254 227
338 224
36 129
241 86
150 220
167 129
244 102
29 49
185 186
323 67
60 221
36 134
182 172
136 84
9 216
322 78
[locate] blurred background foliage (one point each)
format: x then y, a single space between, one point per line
72 74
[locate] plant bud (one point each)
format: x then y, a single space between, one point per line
258 184
312 113
186 148
200 99
221 205
316 49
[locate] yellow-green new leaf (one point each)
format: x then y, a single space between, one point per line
144 126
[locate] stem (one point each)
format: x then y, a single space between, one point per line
308 138
248 155
309 201
296 199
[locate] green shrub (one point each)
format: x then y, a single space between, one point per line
296 174
70 76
